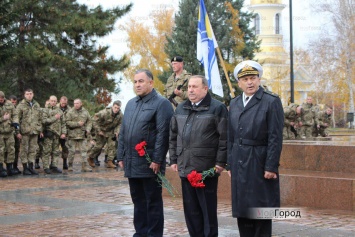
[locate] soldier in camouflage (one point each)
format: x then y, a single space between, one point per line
14 101
39 152
324 118
176 79
54 128
292 121
107 125
309 119
29 116
8 115
64 107
79 125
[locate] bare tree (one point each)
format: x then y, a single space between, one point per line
339 46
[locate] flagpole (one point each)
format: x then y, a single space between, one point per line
225 72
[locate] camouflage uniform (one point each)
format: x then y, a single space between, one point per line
324 119
108 123
7 141
289 131
65 150
77 135
172 83
315 130
29 115
53 129
39 152
309 120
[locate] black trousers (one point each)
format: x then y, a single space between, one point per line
200 207
254 227
146 194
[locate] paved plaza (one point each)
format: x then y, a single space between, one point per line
99 204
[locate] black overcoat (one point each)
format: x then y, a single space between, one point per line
254 146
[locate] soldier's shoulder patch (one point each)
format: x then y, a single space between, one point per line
271 93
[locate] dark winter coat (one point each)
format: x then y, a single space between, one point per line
145 119
198 136
254 146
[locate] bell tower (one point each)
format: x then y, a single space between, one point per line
268 29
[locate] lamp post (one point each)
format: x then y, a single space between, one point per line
291 56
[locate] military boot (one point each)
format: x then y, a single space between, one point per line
26 171
30 168
10 170
85 167
37 164
65 165
15 166
91 162
105 158
3 172
16 170
110 164
97 162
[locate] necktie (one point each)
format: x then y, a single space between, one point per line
246 100
194 106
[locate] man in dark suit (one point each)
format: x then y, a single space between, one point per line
198 141
254 146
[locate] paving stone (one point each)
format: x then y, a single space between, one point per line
98 203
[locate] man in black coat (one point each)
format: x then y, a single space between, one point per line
146 118
198 141
255 127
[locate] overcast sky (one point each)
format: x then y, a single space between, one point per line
306 26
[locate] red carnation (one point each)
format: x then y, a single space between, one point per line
196 179
140 148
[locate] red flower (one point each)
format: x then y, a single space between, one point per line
162 180
196 179
140 148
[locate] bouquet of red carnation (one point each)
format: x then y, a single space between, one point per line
162 180
196 179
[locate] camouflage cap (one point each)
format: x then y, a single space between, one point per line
2 94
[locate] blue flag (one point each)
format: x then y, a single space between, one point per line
206 44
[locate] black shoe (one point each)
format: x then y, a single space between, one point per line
97 162
30 168
56 170
47 171
3 172
15 169
10 170
65 165
37 164
26 171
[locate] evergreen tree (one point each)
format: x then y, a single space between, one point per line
231 28
55 49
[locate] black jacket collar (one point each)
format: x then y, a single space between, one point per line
204 105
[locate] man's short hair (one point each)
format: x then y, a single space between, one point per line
12 97
63 97
204 80
146 71
28 90
117 102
